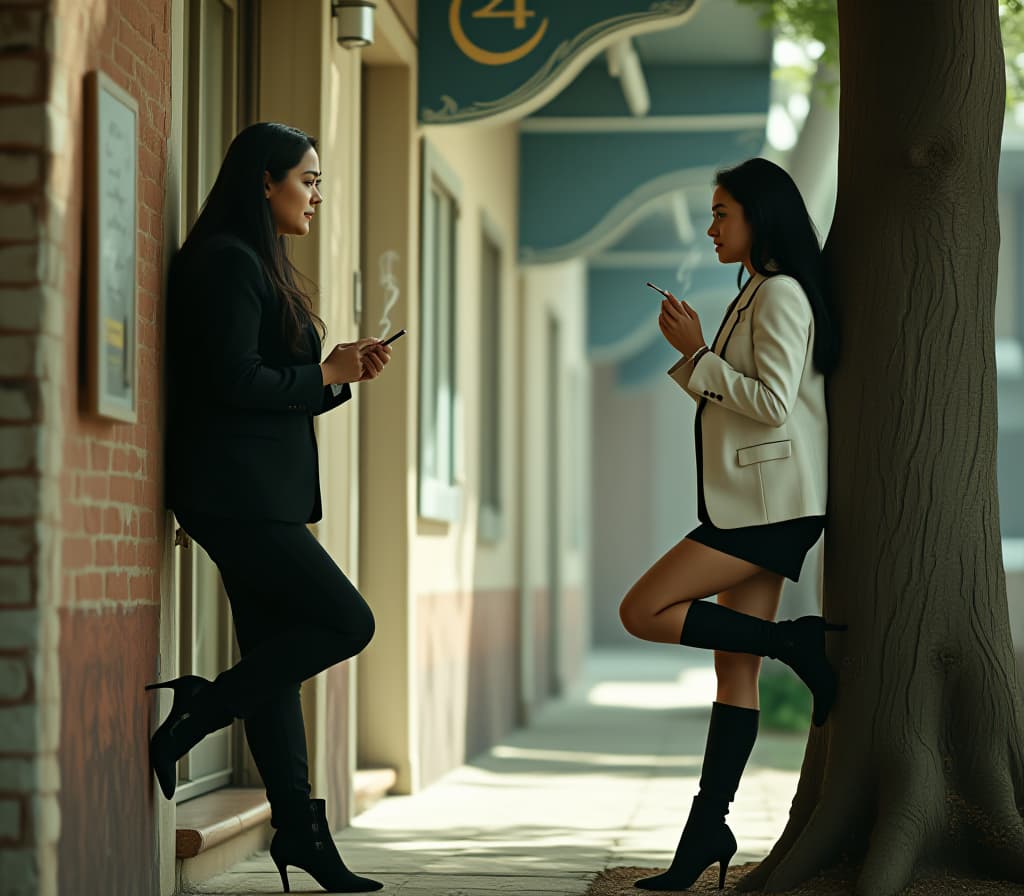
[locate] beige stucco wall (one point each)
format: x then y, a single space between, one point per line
555 293
449 557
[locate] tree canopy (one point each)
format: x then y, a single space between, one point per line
816 20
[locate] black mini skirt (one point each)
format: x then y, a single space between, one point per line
779 547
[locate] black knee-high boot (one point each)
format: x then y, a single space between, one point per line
706 838
799 643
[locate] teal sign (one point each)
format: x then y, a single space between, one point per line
480 58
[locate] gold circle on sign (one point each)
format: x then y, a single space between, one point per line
488 57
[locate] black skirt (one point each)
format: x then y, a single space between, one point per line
779 547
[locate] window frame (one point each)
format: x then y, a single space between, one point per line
439 496
491 515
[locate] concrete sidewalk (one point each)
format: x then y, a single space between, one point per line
601 778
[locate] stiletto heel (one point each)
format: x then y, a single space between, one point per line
187 723
723 868
282 869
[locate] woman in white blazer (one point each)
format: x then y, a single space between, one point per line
761 436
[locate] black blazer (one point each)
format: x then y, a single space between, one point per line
240 404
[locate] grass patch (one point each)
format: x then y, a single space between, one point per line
785 702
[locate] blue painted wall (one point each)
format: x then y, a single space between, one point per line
571 181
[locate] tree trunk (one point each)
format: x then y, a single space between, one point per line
920 767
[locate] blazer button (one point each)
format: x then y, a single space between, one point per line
706 392
719 397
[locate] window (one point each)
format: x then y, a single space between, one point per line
439 494
490 519
217 104
205 648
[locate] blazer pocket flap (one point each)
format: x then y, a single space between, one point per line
756 454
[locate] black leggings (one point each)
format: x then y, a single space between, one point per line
295 614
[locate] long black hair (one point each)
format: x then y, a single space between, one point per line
237 205
784 241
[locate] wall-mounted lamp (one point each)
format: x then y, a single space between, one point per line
355 22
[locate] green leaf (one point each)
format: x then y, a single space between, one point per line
805 20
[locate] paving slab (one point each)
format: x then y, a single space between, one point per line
602 777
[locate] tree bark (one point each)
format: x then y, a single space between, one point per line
920 767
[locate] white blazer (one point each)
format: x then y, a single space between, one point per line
764 424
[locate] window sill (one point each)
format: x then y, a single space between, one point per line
207 821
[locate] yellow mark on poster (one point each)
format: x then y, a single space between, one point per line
115 333
518 14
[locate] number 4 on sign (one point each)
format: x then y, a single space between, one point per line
518 14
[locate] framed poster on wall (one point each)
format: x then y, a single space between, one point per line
110 261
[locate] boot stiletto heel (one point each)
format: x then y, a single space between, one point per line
723 869
282 869
184 727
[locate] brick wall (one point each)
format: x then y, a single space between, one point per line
29 397
81 521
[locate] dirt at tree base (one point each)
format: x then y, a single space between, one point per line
619 882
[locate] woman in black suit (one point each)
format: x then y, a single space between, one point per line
244 381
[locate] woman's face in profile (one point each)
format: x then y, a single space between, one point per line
294 199
729 228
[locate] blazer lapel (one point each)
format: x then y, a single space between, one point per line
720 351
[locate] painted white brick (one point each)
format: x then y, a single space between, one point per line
21 309
19 169
16 355
14 403
46 818
15 542
24 125
19 496
21 29
49 357
20 447
18 775
19 628
10 820
40 774
49 725
21 77
47 773
19 730
19 873
17 219
19 264
15 586
13 680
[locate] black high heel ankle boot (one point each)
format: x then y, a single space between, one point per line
706 838
191 718
799 643
306 843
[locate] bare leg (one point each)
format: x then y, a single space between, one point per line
655 607
738 672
